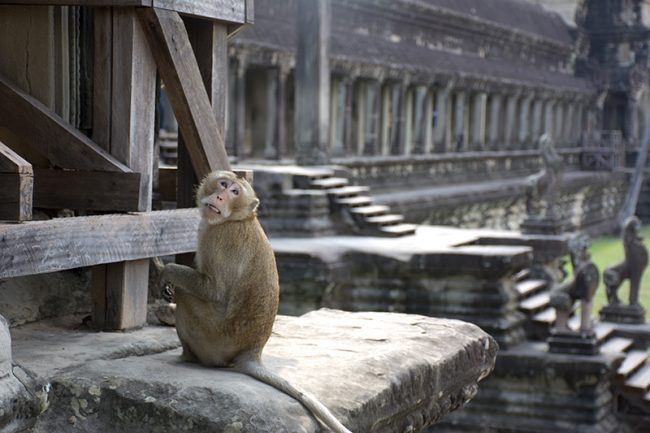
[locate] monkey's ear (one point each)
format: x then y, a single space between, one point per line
254 203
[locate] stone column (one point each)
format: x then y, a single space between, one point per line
312 82
371 133
239 111
479 117
270 148
339 120
538 121
569 125
510 132
399 119
524 123
386 122
579 125
348 83
442 116
419 121
281 111
494 135
548 118
559 125
460 140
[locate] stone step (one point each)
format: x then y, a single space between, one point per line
634 360
398 230
640 380
546 316
385 220
616 345
361 200
522 275
603 331
329 183
527 288
535 304
373 210
348 191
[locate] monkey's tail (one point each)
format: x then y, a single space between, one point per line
261 373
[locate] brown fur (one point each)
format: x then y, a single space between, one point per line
225 309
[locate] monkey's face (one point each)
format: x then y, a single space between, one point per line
224 197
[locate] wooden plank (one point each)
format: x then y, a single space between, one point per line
50 135
86 190
115 309
17 180
105 3
170 45
66 243
222 10
102 77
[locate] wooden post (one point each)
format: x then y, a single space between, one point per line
209 43
124 106
17 180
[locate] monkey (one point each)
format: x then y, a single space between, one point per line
226 307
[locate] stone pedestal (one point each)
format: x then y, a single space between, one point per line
542 225
622 313
573 342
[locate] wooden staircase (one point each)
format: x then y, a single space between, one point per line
354 204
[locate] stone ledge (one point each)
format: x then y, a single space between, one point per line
377 372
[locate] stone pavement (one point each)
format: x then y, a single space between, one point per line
377 372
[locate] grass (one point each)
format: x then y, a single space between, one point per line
608 250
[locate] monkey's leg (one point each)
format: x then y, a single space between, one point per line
187 355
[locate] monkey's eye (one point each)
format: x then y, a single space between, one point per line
235 191
223 184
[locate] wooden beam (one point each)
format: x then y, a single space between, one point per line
86 190
170 45
105 3
38 247
46 132
17 180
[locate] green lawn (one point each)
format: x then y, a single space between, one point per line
608 250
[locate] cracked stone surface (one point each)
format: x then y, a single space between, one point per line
377 372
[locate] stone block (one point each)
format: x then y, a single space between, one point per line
377 372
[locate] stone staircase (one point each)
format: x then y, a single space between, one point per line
354 204
633 375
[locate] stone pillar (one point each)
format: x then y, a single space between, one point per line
579 125
281 111
548 118
460 140
399 119
348 83
419 120
312 82
495 121
270 145
538 121
510 132
559 124
239 111
569 124
371 133
340 95
440 131
524 123
479 117
386 122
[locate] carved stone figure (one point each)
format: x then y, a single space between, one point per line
631 268
542 189
582 287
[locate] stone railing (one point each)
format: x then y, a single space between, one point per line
393 172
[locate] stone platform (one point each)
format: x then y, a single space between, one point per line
377 372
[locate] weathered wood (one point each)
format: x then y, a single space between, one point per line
231 11
50 135
17 180
65 243
86 190
170 45
115 309
102 73
222 10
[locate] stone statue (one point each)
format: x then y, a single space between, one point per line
542 189
631 268
545 184
582 287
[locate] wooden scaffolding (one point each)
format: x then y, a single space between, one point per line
185 41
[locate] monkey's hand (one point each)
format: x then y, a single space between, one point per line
188 280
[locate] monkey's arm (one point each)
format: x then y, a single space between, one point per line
190 281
